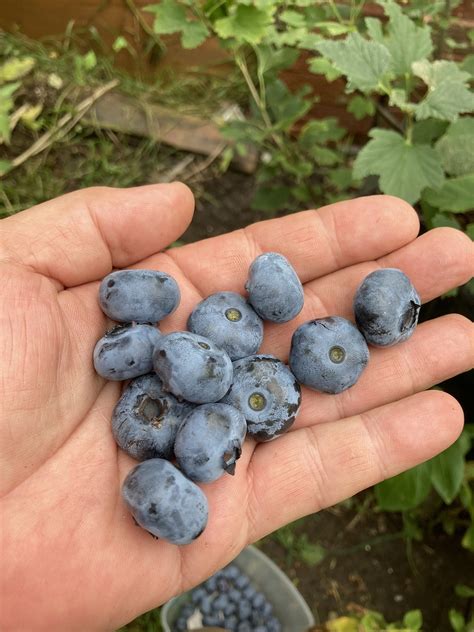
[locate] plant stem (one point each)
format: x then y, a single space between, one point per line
144 24
336 11
409 128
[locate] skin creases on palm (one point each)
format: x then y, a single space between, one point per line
69 548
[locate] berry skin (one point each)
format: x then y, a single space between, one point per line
386 307
146 419
192 367
267 393
228 320
164 502
275 291
142 296
209 442
126 351
328 354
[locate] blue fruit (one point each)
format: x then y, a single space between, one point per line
244 626
245 610
267 393
209 442
198 595
386 307
126 351
328 354
146 419
231 571
273 625
142 296
230 623
242 581
192 367
228 320
164 502
275 291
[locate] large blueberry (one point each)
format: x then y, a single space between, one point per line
164 502
386 307
192 367
209 442
267 393
328 354
228 320
146 419
275 291
143 296
126 351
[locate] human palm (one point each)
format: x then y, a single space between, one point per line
72 557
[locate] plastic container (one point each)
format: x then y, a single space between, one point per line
288 604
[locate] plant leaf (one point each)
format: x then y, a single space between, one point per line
194 34
457 621
456 148
406 41
271 198
462 590
363 62
405 491
246 24
374 29
361 107
447 471
448 95
285 107
404 169
322 66
456 195
169 17
413 620
15 68
428 131
442 219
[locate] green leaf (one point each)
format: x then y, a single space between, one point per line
428 131
293 18
334 28
169 17
271 198
413 620
448 94
456 620
468 64
406 41
286 108
374 29
324 156
456 195
404 169
246 24
361 107
15 68
447 471
468 539
311 554
456 148
363 62
89 60
462 590
405 491
340 178
470 230
320 132
6 93
194 34
5 166
442 219
271 60
119 44
322 66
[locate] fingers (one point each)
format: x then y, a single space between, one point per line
316 242
316 467
438 350
81 236
435 262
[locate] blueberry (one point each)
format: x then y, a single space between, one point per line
228 320
244 626
192 367
211 619
222 584
275 291
197 595
206 605
245 610
242 581
181 625
266 608
187 611
386 307
142 296
231 571
258 601
209 442
145 420
235 595
211 584
230 609
164 502
328 354
267 393
126 351
273 625
220 602
249 592
230 623
260 628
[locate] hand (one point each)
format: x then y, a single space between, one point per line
72 557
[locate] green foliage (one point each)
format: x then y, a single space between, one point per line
455 148
404 491
298 546
372 621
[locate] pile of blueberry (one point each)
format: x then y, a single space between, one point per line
228 600
195 395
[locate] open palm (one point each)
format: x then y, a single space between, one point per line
72 557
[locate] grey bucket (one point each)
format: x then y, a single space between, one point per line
288 604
